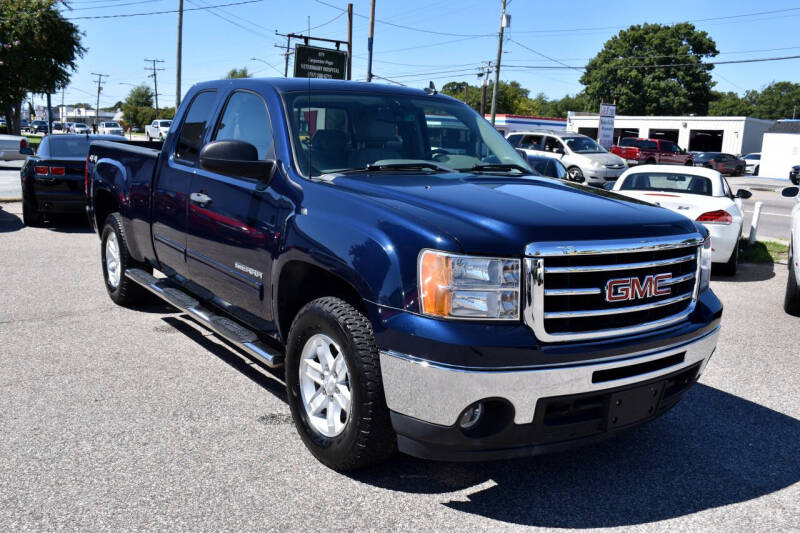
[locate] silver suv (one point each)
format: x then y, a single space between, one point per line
584 158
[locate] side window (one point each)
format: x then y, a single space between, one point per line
551 144
245 119
532 142
514 139
190 136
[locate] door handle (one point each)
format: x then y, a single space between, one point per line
200 199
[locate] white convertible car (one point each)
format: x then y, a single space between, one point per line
701 194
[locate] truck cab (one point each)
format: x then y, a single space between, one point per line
422 295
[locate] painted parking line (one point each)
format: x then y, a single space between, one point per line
771 214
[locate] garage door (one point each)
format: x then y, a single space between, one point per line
705 140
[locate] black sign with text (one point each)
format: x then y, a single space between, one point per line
315 62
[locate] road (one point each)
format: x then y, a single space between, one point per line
775 220
138 419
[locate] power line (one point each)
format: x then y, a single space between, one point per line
165 12
139 2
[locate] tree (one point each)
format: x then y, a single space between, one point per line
729 104
137 109
776 100
43 51
512 98
653 69
235 73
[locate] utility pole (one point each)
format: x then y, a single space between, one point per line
180 54
62 114
97 108
350 41
497 63
154 75
49 115
485 75
369 40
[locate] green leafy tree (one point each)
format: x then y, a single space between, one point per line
42 52
137 109
235 73
653 69
560 107
776 100
512 98
729 104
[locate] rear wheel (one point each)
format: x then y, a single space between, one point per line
334 386
575 174
116 260
755 171
689 163
739 171
30 216
650 161
791 303
730 268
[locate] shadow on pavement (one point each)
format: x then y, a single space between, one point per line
272 383
747 272
713 449
9 221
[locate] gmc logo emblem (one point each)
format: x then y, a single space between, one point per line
621 289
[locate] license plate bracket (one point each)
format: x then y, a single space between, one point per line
633 405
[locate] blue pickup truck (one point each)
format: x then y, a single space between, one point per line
452 305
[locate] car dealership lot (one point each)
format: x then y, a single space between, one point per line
138 419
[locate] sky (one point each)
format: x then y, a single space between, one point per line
415 41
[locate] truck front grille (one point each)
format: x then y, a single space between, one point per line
653 283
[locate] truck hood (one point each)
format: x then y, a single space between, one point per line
501 214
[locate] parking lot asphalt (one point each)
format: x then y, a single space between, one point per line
118 418
775 220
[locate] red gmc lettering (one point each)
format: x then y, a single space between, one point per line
621 289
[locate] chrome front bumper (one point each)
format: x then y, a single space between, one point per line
438 394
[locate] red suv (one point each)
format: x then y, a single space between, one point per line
651 152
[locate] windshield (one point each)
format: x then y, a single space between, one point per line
753 157
81 124
112 125
583 145
667 182
347 131
67 146
705 156
165 123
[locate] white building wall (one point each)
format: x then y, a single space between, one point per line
740 135
779 153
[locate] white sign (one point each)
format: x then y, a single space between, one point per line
605 130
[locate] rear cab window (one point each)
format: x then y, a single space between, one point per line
193 127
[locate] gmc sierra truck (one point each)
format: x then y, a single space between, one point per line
651 152
451 305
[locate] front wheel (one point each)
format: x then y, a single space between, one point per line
755 171
575 174
116 260
334 386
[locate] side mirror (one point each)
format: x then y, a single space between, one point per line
238 159
790 192
744 194
26 151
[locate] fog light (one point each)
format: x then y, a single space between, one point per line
471 416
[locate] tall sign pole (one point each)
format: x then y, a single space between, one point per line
503 24
180 54
349 41
369 40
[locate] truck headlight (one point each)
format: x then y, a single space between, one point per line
459 286
705 264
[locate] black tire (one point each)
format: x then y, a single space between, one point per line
30 216
739 171
755 170
791 303
730 268
575 174
650 161
689 163
367 438
126 292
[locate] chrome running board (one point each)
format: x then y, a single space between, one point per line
238 335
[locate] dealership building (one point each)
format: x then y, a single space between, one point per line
732 135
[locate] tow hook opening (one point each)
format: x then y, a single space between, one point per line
485 417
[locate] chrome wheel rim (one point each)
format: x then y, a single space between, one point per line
325 385
574 173
112 260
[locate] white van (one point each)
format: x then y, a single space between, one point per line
584 158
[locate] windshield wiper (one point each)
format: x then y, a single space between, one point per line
495 167
388 167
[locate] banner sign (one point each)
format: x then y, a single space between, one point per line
315 62
605 130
